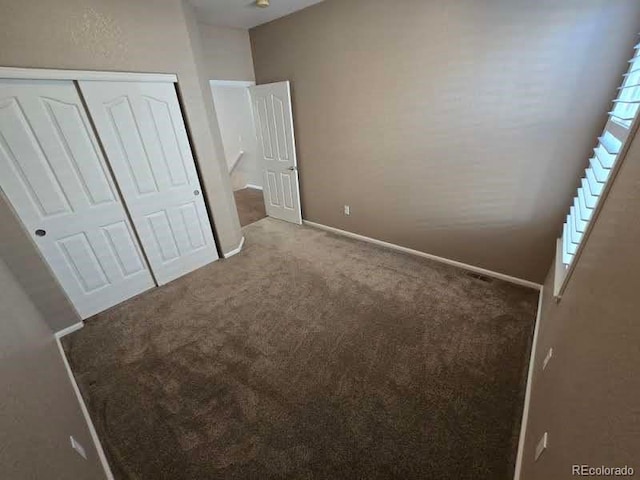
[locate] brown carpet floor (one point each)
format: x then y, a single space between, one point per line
250 205
310 356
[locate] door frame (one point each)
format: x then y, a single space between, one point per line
241 84
232 83
244 84
55 74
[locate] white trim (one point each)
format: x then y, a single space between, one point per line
527 395
85 75
295 154
236 161
560 270
255 187
231 83
489 273
69 329
85 412
235 251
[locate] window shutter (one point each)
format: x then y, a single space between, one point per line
625 110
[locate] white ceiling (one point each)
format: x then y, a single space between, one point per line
244 13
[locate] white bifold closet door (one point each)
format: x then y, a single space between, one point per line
53 173
142 130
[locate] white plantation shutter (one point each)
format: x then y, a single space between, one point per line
625 111
626 105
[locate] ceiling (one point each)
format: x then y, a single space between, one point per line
244 13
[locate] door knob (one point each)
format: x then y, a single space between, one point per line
196 192
293 168
40 232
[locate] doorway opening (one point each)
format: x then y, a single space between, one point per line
256 126
235 120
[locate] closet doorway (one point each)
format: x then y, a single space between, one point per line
99 169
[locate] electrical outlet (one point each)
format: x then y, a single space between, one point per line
347 210
542 445
547 358
78 448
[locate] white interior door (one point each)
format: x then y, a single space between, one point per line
141 127
277 150
54 175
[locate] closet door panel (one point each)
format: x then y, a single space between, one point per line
53 173
143 132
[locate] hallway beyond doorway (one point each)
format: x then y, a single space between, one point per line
250 205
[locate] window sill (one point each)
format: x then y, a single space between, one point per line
560 273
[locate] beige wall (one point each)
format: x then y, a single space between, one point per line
227 53
455 128
22 257
119 35
38 408
587 398
229 234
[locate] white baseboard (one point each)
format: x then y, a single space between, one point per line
255 187
527 395
85 412
482 271
69 329
235 251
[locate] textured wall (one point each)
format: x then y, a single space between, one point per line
455 128
227 53
38 408
120 35
587 398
